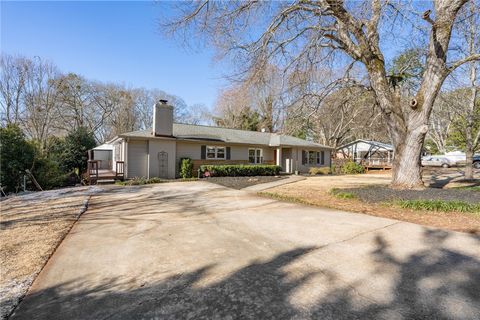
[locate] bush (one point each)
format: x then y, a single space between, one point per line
49 175
186 168
240 170
16 155
317 170
73 150
137 181
352 168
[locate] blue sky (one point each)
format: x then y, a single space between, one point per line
110 42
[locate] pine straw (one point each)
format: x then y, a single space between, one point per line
316 192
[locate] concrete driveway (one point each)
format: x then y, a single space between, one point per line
200 251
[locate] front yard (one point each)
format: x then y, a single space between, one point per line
453 209
32 226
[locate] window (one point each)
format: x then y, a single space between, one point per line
215 152
255 156
220 152
313 158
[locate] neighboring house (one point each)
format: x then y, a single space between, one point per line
367 152
157 152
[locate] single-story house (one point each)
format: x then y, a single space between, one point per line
157 152
367 151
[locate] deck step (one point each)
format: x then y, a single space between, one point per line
105 181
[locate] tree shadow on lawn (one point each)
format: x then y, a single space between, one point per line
432 283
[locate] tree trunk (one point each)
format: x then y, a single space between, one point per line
469 164
407 171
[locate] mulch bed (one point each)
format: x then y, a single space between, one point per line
376 194
242 182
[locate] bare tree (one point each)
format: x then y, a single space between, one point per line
304 34
472 110
441 121
41 101
12 84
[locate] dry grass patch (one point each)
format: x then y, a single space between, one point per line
32 226
316 191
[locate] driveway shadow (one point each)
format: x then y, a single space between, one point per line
433 283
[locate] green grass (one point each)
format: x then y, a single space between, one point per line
473 188
342 194
439 205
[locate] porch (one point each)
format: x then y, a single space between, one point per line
95 174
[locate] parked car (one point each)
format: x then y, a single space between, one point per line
436 161
476 161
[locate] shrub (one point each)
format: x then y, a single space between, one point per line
240 170
137 181
316 170
186 168
16 155
49 175
351 167
73 150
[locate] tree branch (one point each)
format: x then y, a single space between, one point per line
458 63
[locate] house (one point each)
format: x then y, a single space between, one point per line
367 152
157 152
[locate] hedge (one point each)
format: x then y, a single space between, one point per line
186 168
240 170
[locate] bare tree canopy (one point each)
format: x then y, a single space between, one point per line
45 102
305 37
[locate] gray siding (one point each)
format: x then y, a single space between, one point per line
304 168
237 152
137 159
154 148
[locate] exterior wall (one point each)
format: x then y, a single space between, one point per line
154 147
137 163
145 159
304 168
105 157
238 153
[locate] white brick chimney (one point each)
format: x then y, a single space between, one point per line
162 119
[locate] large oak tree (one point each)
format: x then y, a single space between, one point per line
302 35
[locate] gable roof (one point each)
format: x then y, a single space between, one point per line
377 144
208 133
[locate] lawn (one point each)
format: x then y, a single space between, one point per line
454 209
32 226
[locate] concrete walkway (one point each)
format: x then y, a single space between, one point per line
200 251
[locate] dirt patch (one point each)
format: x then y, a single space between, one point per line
31 227
242 182
315 191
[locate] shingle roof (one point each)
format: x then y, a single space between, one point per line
207 133
370 142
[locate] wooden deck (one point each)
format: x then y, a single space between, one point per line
94 174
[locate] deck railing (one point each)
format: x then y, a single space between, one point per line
92 171
120 169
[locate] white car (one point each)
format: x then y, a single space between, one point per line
436 161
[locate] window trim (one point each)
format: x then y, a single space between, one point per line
255 155
215 148
318 156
